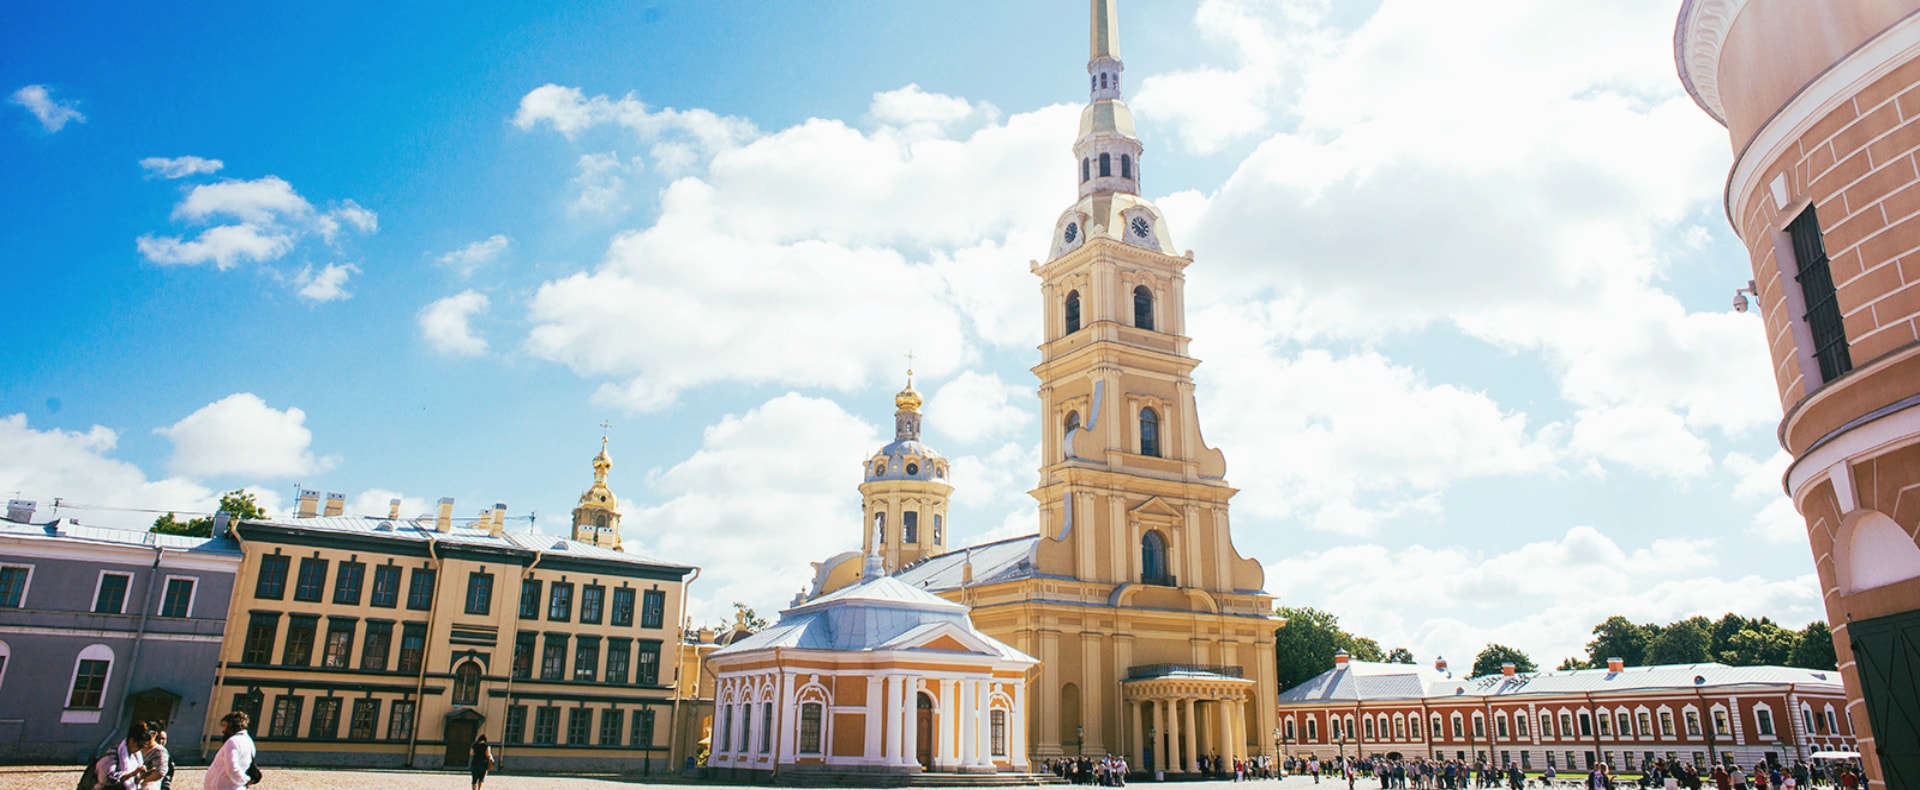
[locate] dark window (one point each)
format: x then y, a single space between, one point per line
89 683
647 673
643 728
593 599
300 636
1817 293
553 661
179 598
546 725
1073 312
560 602
413 646
339 648
312 581
400 723
326 718
346 583
261 631
623 606
1153 559
1149 433
250 702
516 724
579 721
286 717
386 586
530 599
420 589
112 596
612 724
586 659
13 586
810 728
1143 307
653 612
998 725
373 654
1126 171
766 727
1086 170
466 684
523 647
1106 165
271 583
618 653
479 593
366 717
910 524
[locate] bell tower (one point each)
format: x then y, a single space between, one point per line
905 492
596 519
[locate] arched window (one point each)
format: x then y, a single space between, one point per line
1153 559
1313 729
1149 433
1086 170
810 727
90 673
1103 79
1106 165
600 519
1413 727
1143 307
466 684
1369 728
1073 312
1126 166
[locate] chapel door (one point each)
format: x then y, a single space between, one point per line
460 734
923 733
1887 652
154 705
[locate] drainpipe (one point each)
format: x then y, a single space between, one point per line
673 718
538 555
433 612
139 640
779 711
1598 755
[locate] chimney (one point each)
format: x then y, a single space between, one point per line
20 510
336 503
706 636
1616 664
309 504
1439 664
444 523
1340 659
222 522
393 509
1507 669
498 523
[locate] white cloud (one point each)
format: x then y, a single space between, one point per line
1646 438
800 457
53 115
1211 106
225 246
78 468
328 285
241 435
257 221
994 480
977 406
570 112
180 166
1758 482
447 324
375 502
473 256
600 181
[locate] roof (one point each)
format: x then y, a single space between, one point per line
881 614
74 531
1698 36
421 530
1372 680
1001 560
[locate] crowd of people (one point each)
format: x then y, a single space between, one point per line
1420 773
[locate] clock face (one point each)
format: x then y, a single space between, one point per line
1073 231
1140 227
913 469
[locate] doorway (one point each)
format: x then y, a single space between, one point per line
1887 652
923 731
154 705
462 728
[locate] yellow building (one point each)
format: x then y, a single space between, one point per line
358 640
1155 636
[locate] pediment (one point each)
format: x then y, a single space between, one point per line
945 638
1157 508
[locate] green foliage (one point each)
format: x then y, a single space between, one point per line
1400 655
1688 641
1733 639
1571 663
1304 647
238 504
1814 650
1490 659
1761 643
1620 638
744 618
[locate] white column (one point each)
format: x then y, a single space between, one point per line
910 723
1017 728
876 700
949 714
1193 761
981 748
784 746
1239 729
969 736
889 721
1138 754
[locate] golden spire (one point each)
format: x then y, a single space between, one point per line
909 398
602 462
1106 30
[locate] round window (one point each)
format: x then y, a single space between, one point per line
879 469
913 469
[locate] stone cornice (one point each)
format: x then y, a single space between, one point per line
1698 36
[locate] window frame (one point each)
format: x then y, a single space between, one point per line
285 721
580 726
530 597
381 630
385 593
1819 296
298 624
253 650
653 608
412 659
642 731
1071 312
325 721
811 732
594 596
26 584
91 654
400 719
480 592
1149 428
586 659
622 649
613 721
420 594
560 602
310 581
166 595
466 683
336 627
546 725
270 576
646 672
348 579
617 615
1143 310
369 707
100 586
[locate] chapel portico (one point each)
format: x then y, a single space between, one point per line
1184 712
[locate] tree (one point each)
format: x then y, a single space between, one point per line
1723 631
1688 641
745 618
1620 638
1304 647
1760 644
238 504
1815 648
1490 659
1400 655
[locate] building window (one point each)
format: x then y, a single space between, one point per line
910 527
810 728
766 728
1149 433
1142 307
1479 726
1153 559
13 585
366 717
420 589
339 647
1645 730
300 636
623 607
1833 724
586 659
479 593
312 581
546 725
516 729
1720 722
1073 312
579 720
413 646
271 581
1086 169
530 599
1313 729
110 594
1586 726
1126 171
1367 726
1438 730
251 703
373 653
1546 726
326 718
1626 725
560 602
643 729
1818 295
1666 723
386 586
593 601
400 721
553 662
936 529
90 673
1764 718
725 730
178 599
286 717
261 631
647 671
1519 725
346 583
523 649
1399 728
1413 728
653 611
1693 724
1459 727
466 684
1500 725
619 653
612 722
1566 728
1106 165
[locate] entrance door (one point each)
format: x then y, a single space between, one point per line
460 733
1887 652
154 705
923 733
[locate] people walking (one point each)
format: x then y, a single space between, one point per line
480 761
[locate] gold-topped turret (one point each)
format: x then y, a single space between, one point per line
909 399
596 519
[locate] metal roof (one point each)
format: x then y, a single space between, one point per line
992 562
875 615
73 531
421 530
1371 680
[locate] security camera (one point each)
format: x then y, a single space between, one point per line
1739 302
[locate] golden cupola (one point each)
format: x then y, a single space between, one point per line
596 519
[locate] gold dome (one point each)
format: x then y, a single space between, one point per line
909 398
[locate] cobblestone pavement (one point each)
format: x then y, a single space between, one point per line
62 778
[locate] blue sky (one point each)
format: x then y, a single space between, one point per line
1460 288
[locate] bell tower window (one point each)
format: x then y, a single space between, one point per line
1106 165
1149 433
1126 165
1143 307
1153 559
1073 312
910 524
1086 170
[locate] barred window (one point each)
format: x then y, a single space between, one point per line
1817 294
998 727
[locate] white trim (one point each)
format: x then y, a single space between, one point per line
96 633
1698 37
100 583
1887 432
68 548
192 594
88 653
25 588
6 654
